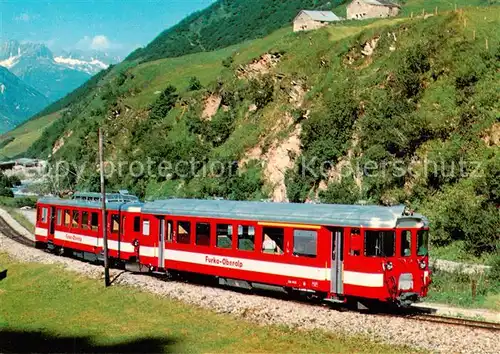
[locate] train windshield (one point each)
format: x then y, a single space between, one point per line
379 243
422 242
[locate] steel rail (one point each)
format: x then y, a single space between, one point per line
464 322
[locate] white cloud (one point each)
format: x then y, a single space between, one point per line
25 17
99 42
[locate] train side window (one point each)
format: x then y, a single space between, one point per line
85 220
59 216
115 223
184 232
224 236
406 243
273 240
76 219
45 215
379 243
202 234
305 243
137 224
145 227
170 226
356 243
246 238
94 221
67 218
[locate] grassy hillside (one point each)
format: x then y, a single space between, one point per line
229 22
393 111
225 23
16 142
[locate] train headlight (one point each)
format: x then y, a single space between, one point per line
422 264
389 266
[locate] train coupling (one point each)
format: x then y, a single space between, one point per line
407 299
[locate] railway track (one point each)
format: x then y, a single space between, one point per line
12 234
9 232
464 322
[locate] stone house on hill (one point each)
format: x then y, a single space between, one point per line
363 9
308 20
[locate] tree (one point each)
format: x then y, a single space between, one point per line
194 84
164 103
5 181
6 192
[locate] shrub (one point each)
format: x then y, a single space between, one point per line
15 180
17 202
494 272
194 84
227 62
164 103
343 192
261 91
6 192
5 181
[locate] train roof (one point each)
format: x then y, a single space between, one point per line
93 204
110 197
316 214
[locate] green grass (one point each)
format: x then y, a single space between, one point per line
457 252
456 289
25 135
416 6
72 309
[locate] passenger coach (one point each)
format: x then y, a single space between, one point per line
335 252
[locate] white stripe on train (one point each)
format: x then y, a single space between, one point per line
373 280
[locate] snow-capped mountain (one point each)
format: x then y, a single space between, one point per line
36 75
89 62
52 75
18 101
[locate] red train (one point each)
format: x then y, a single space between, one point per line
334 252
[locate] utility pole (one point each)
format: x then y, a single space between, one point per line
104 223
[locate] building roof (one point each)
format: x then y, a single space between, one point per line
312 214
381 3
324 16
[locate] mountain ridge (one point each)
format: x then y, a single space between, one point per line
18 100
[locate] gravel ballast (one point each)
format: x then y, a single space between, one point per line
266 310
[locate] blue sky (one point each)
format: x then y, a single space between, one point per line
115 26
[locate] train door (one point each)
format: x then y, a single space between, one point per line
52 223
161 242
165 230
337 255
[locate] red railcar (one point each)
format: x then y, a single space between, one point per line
335 252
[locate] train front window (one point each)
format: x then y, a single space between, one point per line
422 242
405 243
379 243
